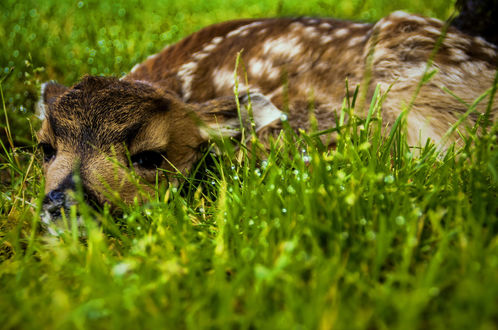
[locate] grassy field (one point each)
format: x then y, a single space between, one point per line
366 236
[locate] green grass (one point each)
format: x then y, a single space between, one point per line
366 236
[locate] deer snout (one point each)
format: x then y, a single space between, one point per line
60 200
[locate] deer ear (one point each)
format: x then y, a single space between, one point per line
49 93
221 117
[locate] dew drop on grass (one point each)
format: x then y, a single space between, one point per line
284 210
257 172
389 179
350 199
283 117
363 221
400 220
121 269
371 235
251 222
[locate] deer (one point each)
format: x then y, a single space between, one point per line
160 114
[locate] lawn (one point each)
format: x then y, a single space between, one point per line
370 235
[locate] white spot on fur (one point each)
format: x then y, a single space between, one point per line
209 48
243 28
480 41
262 31
200 56
341 33
223 79
435 21
455 40
384 23
283 46
358 25
263 67
417 19
296 26
400 14
326 39
311 32
458 55
355 41
488 51
419 39
151 57
186 72
134 68
217 40
233 33
432 29
326 25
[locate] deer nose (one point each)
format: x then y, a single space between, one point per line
56 195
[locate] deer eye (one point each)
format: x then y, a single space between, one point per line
49 152
147 159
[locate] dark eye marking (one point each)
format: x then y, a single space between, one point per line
148 159
49 152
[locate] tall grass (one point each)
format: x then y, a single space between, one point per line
368 235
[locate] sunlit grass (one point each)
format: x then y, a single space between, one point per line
371 234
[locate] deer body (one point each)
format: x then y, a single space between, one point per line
314 57
161 108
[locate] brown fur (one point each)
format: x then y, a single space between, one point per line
172 101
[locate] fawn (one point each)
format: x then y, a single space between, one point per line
166 108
